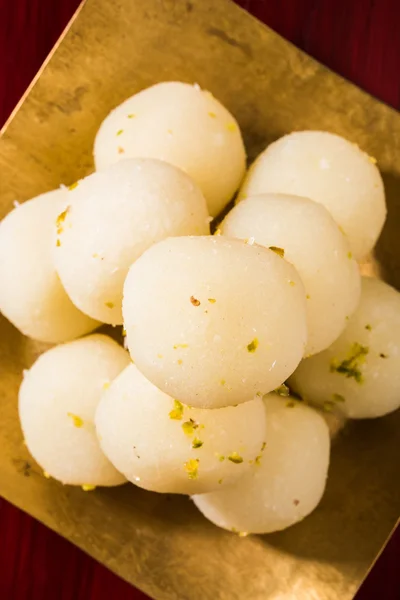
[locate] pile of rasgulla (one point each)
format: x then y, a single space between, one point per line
235 343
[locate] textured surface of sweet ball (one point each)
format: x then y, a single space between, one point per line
57 403
113 216
164 446
359 374
31 294
305 234
288 481
213 321
328 169
183 125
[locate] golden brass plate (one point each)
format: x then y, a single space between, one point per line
160 543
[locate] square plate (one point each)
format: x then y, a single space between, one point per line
160 543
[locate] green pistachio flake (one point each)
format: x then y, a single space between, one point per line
60 220
252 347
291 404
87 487
192 468
264 444
197 443
282 390
338 398
120 131
350 366
177 412
235 458
368 327
189 426
328 405
279 251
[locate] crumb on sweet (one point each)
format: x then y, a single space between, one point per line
279 251
253 345
197 443
177 412
235 458
190 426
192 468
194 301
338 398
87 487
282 390
350 366
77 421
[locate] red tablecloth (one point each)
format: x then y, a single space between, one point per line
360 39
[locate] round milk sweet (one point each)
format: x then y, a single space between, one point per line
183 125
304 233
57 403
31 294
328 169
162 445
360 373
213 321
112 217
286 483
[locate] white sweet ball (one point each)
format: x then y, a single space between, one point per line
112 218
164 446
57 404
313 243
286 484
31 294
184 126
360 372
328 169
213 321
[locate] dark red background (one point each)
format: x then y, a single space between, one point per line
360 39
